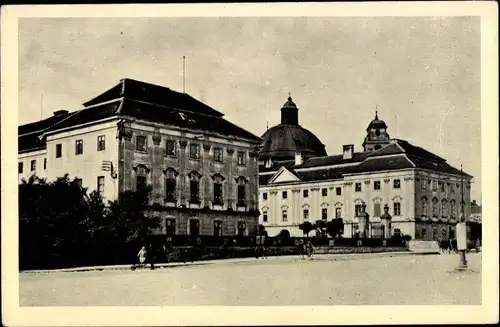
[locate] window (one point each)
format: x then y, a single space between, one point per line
217 228
434 185
376 210
453 208
218 154
194 151
140 182
264 217
338 213
424 233
101 143
100 186
358 208
324 192
443 186
306 214
434 233
376 185
357 187
194 187
241 158
338 190
33 165
264 195
141 143
20 167
444 208
324 213
58 150
194 227
443 233
242 227
170 148
44 163
78 147
218 190
424 207
435 207
170 224
284 215
423 183
452 188
241 191
305 193
170 185
397 183
284 195
397 209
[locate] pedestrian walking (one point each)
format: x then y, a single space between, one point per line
142 258
151 256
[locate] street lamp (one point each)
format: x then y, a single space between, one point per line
461 229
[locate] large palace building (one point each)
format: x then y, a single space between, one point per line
202 168
299 182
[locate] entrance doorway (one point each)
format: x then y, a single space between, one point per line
194 227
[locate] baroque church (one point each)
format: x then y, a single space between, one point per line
389 186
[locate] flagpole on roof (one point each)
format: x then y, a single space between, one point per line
183 74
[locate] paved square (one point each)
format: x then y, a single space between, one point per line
405 280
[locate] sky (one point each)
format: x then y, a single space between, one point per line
422 74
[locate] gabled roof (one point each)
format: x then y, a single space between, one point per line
284 175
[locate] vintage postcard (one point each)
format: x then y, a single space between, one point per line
227 164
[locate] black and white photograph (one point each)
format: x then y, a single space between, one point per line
207 158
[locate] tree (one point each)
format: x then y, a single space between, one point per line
306 227
335 228
321 226
262 230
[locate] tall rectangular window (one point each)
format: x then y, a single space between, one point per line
284 215
305 193
78 147
170 189
376 185
324 192
218 193
170 224
397 183
241 158
101 143
264 196
218 154
376 210
423 183
264 217
241 195
141 143
434 185
195 191
58 150
217 228
397 209
33 165
324 213
44 163
20 167
338 213
338 190
443 187
284 195
357 187
194 151
357 209
170 148
100 186
306 214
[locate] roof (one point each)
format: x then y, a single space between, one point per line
395 156
184 111
376 123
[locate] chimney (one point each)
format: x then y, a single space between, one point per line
348 151
60 112
299 159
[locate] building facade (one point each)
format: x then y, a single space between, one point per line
422 192
203 169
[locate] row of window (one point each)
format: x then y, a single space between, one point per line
446 233
447 208
20 166
338 190
101 146
195 227
194 150
434 185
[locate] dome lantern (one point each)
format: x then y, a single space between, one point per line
289 112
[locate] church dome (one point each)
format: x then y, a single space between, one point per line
376 123
281 142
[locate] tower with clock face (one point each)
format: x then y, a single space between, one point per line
376 135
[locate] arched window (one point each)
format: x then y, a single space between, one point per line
425 210
141 176
435 209
218 179
444 208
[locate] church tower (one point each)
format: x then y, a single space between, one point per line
376 135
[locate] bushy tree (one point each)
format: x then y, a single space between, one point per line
335 228
306 227
321 226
